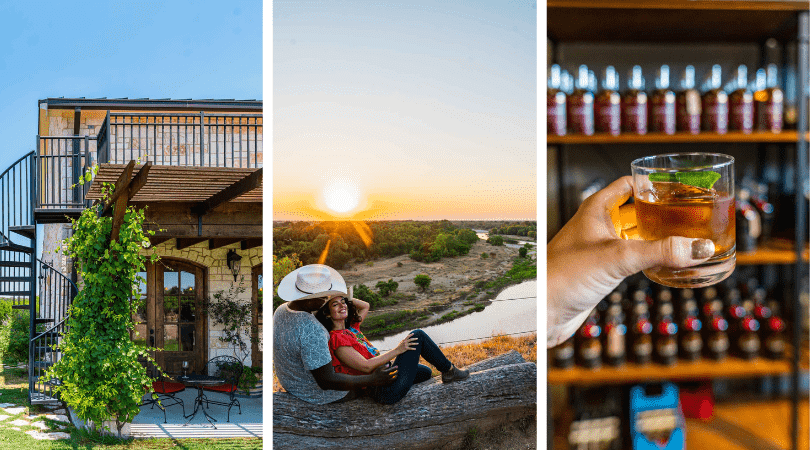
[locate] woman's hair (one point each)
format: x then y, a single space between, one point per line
322 315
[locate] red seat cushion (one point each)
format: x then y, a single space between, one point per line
167 387
221 388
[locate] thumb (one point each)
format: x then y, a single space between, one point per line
673 251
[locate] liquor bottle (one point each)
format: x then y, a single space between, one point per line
690 343
615 335
717 342
634 104
688 108
746 339
711 304
580 104
774 339
741 103
563 354
770 103
555 100
666 341
715 104
588 345
640 338
761 311
607 105
662 104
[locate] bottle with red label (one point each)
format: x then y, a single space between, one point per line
688 104
746 338
588 343
555 100
662 104
769 103
715 103
580 104
607 105
711 305
634 104
666 341
640 334
615 332
741 103
690 343
773 338
716 338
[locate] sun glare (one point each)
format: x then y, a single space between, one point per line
341 196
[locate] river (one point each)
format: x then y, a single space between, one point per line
484 234
503 316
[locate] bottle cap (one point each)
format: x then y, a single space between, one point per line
688 78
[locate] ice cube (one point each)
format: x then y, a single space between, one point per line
665 190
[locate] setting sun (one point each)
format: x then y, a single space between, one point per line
341 196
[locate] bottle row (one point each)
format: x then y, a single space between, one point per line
639 326
577 106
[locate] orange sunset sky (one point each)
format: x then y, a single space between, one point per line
390 112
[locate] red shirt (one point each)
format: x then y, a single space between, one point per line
354 338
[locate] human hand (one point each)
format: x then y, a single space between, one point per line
587 259
409 343
384 375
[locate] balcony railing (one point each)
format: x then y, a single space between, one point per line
199 139
184 139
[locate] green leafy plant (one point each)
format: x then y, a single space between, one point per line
101 377
522 252
422 280
387 287
225 309
495 240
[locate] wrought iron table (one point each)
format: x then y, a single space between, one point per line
201 401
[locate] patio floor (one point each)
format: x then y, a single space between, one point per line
149 422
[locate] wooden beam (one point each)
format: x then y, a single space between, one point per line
247 244
157 240
188 242
231 192
120 186
216 243
139 181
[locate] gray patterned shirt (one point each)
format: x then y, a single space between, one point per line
301 344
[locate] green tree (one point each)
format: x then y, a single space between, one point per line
495 240
281 267
422 280
522 252
362 292
387 287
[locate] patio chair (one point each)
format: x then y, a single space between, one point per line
229 369
163 391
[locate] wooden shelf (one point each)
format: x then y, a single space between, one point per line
730 367
678 138
672 20
774 252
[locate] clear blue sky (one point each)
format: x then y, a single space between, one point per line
154 49
419 109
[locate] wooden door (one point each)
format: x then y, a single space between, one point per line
257 320
171 316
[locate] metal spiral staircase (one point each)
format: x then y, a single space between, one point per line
26 281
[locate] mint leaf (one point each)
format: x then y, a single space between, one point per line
660 176
703 180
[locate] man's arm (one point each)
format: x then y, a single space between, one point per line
328 379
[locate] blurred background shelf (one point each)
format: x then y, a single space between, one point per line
677 138
773 252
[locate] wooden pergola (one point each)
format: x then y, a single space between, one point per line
189 204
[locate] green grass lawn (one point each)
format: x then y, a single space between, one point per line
14 389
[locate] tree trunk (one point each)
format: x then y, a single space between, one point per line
500 389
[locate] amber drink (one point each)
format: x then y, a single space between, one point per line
689 195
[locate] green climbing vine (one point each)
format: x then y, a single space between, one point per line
101 378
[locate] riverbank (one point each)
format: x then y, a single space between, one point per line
459 286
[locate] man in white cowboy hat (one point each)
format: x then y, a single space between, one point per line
301 357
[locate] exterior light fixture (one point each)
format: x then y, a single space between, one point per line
234 263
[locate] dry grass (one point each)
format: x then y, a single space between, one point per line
462 355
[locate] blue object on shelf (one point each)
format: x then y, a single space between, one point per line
640 402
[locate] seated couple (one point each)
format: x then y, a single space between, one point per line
321 356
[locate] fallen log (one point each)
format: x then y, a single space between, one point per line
431 415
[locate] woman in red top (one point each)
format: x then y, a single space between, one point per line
353 354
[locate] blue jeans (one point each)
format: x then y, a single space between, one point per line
409 371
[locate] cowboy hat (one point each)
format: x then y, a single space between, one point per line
312 281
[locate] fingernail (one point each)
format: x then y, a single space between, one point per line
702 248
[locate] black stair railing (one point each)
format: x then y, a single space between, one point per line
56 294
61 162
182 139
16 216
